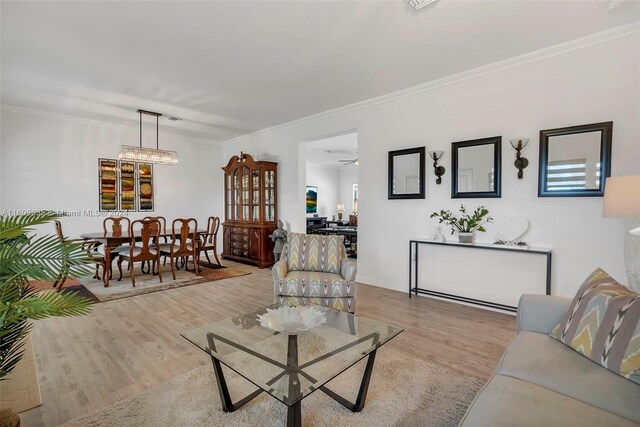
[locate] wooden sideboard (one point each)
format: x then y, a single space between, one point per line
251 214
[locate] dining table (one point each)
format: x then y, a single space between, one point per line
112 240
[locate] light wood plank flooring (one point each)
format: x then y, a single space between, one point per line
126 346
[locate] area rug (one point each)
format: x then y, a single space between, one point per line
148 283
403 392
70 285
20 390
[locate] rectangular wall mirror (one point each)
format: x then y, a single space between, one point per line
406 173
575 161
476 167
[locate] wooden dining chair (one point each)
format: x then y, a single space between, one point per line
89 246
210 240
115 226
147 249
162 224
184 244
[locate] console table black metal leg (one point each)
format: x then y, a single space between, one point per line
410 265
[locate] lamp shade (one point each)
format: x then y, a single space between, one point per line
355 207
622 197
340 207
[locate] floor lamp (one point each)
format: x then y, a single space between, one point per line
622 200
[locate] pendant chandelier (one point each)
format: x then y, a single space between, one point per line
148 155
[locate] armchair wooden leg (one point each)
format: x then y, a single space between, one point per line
159 270
206 254
195 265
133 276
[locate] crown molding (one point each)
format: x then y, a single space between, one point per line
622 31
92 122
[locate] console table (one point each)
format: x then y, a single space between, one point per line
414 252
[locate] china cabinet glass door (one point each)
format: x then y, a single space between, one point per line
228 198
245 194
269 196
255 196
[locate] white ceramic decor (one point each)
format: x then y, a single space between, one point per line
292 320
512 230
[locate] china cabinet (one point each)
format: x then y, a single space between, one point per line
250 205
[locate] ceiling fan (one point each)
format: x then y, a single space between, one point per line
349 161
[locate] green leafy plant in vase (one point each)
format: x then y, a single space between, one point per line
466 224
24 257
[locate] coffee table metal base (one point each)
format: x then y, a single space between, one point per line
294 413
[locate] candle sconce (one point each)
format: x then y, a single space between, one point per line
437 170
521 162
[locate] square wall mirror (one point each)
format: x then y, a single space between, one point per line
476 166
575 161
406 173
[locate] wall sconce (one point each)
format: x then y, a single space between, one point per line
437 170
520 162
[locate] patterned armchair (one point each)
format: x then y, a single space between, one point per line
315 269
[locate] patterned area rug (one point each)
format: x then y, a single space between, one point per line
145 283
403 392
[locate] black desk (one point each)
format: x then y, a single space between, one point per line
315 222
350 234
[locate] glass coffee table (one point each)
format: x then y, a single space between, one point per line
291 367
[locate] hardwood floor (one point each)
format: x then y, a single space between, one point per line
126 346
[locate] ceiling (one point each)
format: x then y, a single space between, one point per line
229 68
328 152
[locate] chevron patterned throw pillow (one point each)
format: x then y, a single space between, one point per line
603 324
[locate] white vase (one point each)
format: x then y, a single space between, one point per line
465 237
437 236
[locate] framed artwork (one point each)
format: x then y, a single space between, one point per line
312 199
107 184
127 186
145 187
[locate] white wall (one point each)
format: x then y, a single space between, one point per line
581 84
348 177
51 162
326 179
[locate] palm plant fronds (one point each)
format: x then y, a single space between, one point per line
18 225
44 258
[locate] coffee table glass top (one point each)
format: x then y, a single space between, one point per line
263 356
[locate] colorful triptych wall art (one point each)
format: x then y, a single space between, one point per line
145 179
107 177
125 186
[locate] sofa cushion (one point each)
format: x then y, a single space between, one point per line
507 401
603 324
315 284
312 252
540 359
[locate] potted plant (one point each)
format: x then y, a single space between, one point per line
24 257
467 224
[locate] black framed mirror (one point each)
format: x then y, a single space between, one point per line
406 173
476 168
575 161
